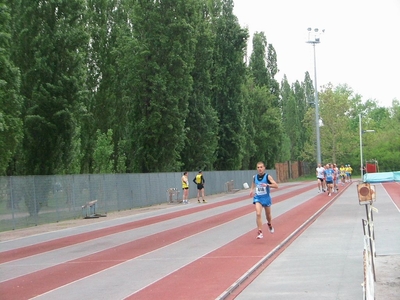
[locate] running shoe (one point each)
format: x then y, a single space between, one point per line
260 235
271 229
198 200
204 201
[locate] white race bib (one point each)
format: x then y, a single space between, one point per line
261 190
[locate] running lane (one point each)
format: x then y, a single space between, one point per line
55 244
231 260
212 274
393 189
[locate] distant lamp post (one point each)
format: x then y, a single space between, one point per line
314 39
361 143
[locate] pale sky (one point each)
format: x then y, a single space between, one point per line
360 46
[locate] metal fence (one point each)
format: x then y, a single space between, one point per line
32 200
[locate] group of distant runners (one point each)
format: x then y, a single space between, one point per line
329 176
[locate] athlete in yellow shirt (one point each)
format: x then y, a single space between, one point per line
350 170
199 180
185 187
342 171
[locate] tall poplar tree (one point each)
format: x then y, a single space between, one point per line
335 138
263 103
228 74
272 66
163 59
257 64
302 107
201 124
109 103
10 100
51 46
249 148
291 118
263 126
309 148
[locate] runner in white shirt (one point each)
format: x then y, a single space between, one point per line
319 172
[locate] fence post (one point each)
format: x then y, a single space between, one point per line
369 273
12 201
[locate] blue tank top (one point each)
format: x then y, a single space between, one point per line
261 192
329 175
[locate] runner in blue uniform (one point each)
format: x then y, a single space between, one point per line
329 178
260 191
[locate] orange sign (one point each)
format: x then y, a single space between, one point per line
366 193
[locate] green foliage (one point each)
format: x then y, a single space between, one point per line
50 43
257 64
228 74
102 162
335 139
110 73
294 105
285 147
10 99
265 121
121 159
264 126
148 86
384 144
201 123
163 85
249 146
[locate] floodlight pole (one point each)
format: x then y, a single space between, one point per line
361 149
313 42
361 144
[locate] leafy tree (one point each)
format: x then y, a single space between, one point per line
257 64
291 118
147 86
163 61
122 157
309 149
272 66
109 103
302 107
102 156
50 51
201 124
228 74
384 144
334 105
266 125
249 147
10 100
284 153
264 99
308 88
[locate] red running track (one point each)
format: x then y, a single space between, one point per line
209 275
393 189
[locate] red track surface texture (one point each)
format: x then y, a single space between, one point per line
393 189
204 278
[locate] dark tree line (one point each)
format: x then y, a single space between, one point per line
102 86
